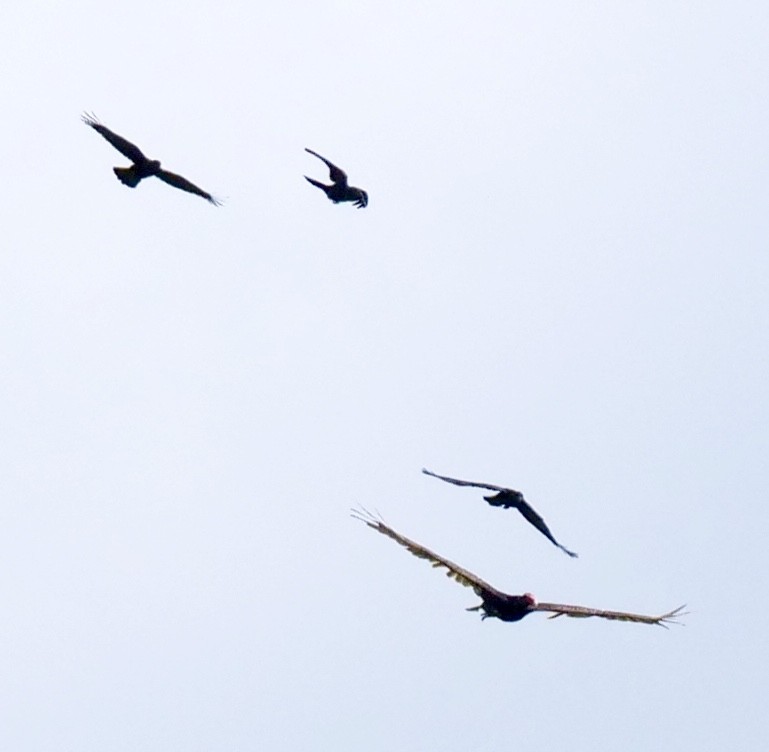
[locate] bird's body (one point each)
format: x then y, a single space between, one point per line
505 607
508 498
339 190
131 176
142 167
496 604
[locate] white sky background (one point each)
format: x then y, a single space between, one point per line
560 284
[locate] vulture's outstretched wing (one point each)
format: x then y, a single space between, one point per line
462 576
126 148
336 174
508 498
580 612
177 181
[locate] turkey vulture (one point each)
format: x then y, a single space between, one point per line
508 498
142 167
339 190
495 603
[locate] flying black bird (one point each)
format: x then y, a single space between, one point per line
497 604
142 167
508 498
340 190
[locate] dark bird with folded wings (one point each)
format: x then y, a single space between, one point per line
339 190
143 167
508 498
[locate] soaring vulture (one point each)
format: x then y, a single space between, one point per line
142 167
495 603
508 498
339 190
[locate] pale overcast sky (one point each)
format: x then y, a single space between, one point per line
560 285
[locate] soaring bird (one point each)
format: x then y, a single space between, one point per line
339 190
495 603
142 167
508 498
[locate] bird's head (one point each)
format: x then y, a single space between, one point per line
530 599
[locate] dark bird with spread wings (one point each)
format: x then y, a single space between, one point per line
339 190
142 167
508 498
495 603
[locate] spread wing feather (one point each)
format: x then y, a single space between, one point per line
581 612
455 572
125 147
177 181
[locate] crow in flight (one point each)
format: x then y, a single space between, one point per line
495 603
507 498
339 190
142 167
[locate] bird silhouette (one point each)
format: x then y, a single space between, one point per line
142 167
496 604
339 190
508 498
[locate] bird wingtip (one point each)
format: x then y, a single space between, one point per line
89 118
372 519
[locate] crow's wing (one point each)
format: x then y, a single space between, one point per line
536 520
177 181
337 175
126 148
456 482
